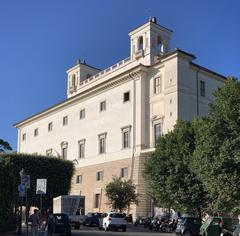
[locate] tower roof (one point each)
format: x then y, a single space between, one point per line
151 22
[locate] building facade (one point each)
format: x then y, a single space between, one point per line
111 118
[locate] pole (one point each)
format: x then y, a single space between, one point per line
20 220
27 211
41 207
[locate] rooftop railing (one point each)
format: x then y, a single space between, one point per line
107 70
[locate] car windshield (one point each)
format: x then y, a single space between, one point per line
117 215
61 218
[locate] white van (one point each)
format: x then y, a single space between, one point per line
113 220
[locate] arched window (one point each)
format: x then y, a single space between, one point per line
140 43
159 45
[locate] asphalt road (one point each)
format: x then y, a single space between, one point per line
131 231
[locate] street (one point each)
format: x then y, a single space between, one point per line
131 231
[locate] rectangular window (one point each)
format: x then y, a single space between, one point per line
82 114
35 132
81 146
24 137
126 97
157 85
157 132
126 139
202 88
124 172
96 200
102 143
64 153
49 152
126 136
65 120
99 176
102 106
50 126
79 179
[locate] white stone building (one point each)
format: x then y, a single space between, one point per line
111 118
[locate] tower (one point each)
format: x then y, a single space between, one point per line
77 75
149 41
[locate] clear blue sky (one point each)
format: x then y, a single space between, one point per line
39 40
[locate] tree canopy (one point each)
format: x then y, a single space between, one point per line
217 154
172 182
197 165
121 193
4 146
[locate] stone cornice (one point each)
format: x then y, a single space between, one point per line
113 82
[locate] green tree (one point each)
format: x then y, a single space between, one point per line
4 146
121 193
217 154
168 170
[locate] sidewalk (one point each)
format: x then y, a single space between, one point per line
13 233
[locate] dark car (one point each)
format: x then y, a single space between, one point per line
92 218
188 226
62 225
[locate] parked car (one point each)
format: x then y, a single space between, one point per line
62 225
92 219
211 226
113 220
188 226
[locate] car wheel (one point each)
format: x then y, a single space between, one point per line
187 233
124 229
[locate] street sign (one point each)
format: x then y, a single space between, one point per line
21 188
25 179
41 186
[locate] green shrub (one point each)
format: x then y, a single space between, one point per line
57 172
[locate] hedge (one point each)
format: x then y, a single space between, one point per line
57 172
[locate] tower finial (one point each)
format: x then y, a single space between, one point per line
78 62
153 20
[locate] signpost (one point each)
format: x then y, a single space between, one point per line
41 189
22 189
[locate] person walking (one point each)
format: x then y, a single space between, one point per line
35 220
51 221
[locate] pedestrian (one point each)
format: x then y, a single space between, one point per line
223 229
34 219
18 221
51 221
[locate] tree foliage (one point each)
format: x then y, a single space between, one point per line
121 193
57 172
6 193
4 146
172 182
217 154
